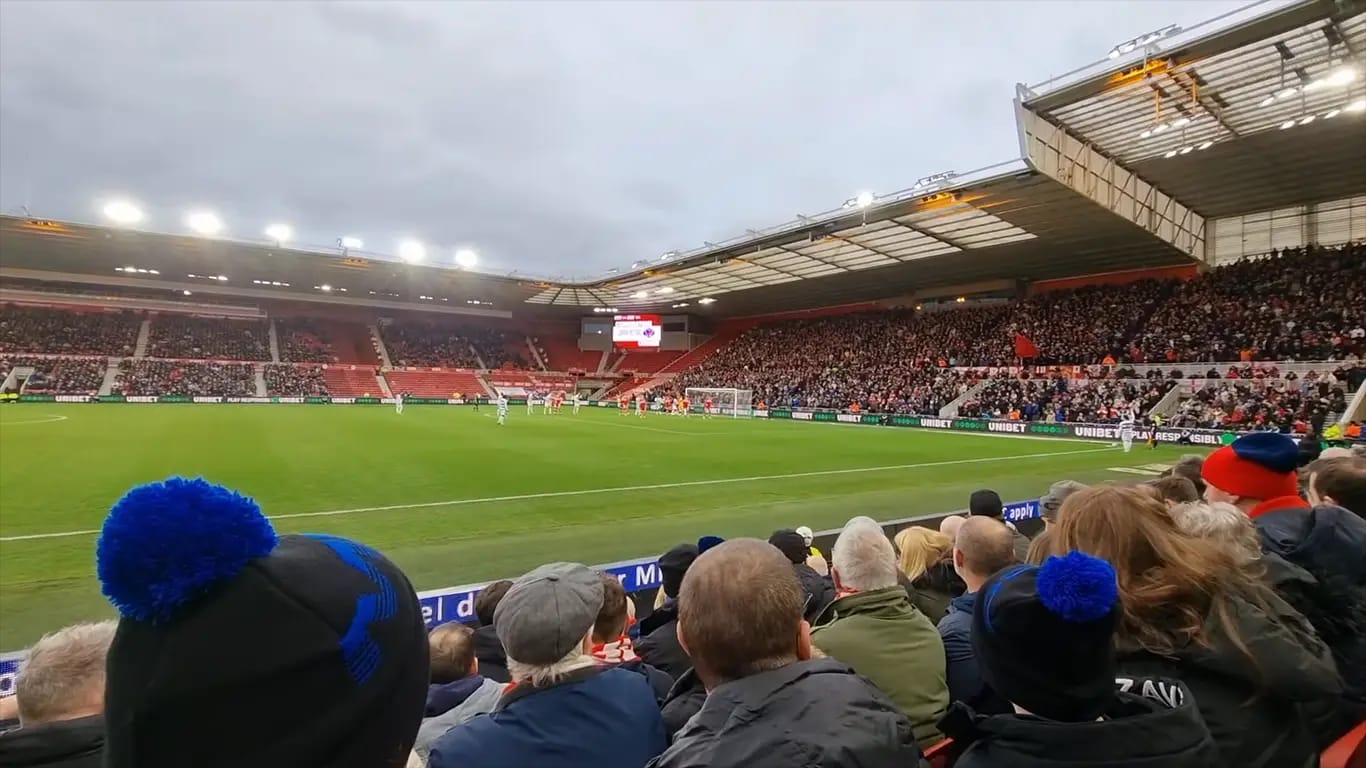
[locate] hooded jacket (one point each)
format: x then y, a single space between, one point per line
659 645
1327 542
813 714
819 591
75 743
1163 730
493 660
882 636
685 699
1254 708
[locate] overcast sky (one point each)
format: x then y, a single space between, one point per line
557 138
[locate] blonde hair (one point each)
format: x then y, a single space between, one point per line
541 675
63 673
921 548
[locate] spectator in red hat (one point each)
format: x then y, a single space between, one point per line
1257 473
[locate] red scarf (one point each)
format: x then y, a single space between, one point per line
615 652
1278 503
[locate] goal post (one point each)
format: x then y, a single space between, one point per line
735 403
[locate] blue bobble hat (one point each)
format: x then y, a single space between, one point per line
238 647
1044 636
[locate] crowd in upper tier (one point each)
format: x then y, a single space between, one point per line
171 377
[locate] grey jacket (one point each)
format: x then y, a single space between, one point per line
482 701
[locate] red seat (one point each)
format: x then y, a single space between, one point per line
1348 751
941 754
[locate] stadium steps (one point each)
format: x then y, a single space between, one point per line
643 363
111 375
377 343
535 354
274 337
617 360
478 358
434 383
1168 404
260 371
1356 407
351 344
951 409
351 381
144 333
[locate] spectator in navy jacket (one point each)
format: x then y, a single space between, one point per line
563 710
983 546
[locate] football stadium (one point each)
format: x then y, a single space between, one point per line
1173 271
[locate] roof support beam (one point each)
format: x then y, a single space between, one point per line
785 249
1055 153
931 235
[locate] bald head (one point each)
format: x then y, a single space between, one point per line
949 526
984 545
740 612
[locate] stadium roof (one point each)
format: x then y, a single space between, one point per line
1205 116
1260 113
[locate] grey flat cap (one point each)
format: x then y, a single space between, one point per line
547 612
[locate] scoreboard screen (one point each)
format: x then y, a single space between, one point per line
636 331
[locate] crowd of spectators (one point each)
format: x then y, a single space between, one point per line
172 377
58 375
62 332
1284 404
304 340
1094 401
294 380
1143 624
208 338
1294 304
435 344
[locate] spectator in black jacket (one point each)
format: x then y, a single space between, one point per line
659 644
1257 473
612 646
987 503
819 590
60 692
983 547
1191 613
488 649
1044 637
769 703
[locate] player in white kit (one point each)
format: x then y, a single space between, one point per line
578 400
502 409
398 403
530 402
1126 431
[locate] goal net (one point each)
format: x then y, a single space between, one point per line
736 403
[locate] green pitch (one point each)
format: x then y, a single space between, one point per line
455 498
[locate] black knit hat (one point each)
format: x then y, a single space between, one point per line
236 647
1043 636
986 503
673 564
791 544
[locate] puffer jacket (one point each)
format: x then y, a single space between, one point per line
1255 708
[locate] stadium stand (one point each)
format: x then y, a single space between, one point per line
284 380
563 354
649 363
351 381
208 338
45 330
58 375
434 383
437 344
185 378
1058 399
310 340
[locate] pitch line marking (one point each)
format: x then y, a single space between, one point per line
49 419
617 489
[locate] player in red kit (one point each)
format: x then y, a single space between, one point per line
623 405
706 408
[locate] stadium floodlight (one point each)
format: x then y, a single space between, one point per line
1268 101
668 255
863 199
186 291
411 251
1206 145
466 257
665 289
204 222
1143 41
347 242
325 288
1306 120
640 295
280 233
1287 124
1357 106
708 300
122 212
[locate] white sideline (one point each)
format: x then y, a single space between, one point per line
618 489
52 418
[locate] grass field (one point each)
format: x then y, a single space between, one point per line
454 498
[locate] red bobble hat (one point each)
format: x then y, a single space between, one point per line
1256 466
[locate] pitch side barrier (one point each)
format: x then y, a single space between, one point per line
641 579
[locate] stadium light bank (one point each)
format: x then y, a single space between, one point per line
204 222
122 212
1144 41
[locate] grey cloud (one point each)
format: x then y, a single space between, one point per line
558 138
